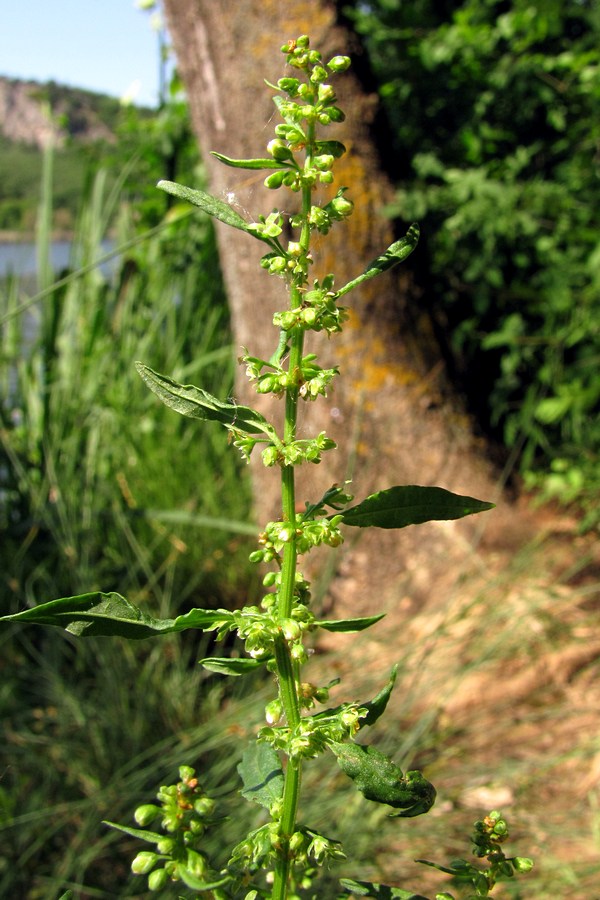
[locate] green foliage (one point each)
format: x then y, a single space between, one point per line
494 109
95 491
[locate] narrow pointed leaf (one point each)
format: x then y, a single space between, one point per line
216 208
223 666
405 505
197 884
199 404
249 163
382 781
375 891
261 774
151 837
396 253
101 615
349 626
377 705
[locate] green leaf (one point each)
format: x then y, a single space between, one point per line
331 148
197 884
396 253
151 837
378 891
199 404
349 626
249 163
261 774
102 615
216 208
382 781
405 505
378 704
224 666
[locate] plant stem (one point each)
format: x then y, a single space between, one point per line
286 669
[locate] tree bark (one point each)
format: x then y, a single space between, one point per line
390 412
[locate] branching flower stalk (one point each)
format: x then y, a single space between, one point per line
280 859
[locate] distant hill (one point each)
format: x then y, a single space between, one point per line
36 114
80 125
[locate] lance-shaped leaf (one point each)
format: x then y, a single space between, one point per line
216 208
151 837
395 253
261 774
349 626
199 404
376 707
249 163
224 666
381 780
378 891
411 504
102 615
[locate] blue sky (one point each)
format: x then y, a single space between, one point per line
102 45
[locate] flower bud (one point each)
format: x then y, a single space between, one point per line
274 180
339 63
326 94
144 862
318 75
340 207
278 150
291 630
289 85
270 456
166 846
204 806
298 653
303 42
146 814
157 879
522 864
297 841
266 383
273 712
324 162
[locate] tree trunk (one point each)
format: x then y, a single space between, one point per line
389 413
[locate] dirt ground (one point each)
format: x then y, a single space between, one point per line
498 694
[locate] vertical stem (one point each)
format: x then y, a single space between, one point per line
288 682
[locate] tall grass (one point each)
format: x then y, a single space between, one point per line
101 488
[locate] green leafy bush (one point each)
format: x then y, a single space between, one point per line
494 109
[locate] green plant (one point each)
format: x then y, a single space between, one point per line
281 858
500 169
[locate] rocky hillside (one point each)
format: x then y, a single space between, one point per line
36 114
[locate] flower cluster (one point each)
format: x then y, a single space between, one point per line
313 734
306 533
185 812
309 378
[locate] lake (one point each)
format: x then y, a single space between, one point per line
19 257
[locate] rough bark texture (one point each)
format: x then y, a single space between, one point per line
388 413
